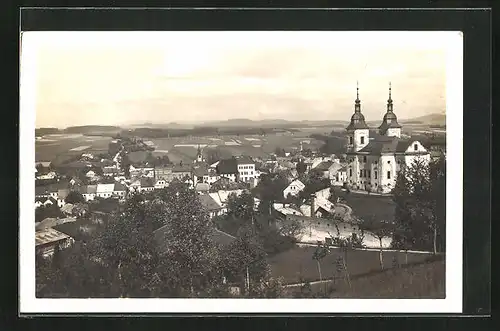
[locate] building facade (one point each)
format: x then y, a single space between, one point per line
374 162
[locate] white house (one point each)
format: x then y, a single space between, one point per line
340 177
50 175
88 192
294 188
61 197
160 184
246 169
105 190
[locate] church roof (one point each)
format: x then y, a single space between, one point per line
386 145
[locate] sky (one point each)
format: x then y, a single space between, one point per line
120 78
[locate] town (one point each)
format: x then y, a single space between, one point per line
302 221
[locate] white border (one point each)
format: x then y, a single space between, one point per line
451 304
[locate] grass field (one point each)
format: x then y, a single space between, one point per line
54 146
297 263
365 206
422 281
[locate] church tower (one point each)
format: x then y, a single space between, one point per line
358 133
199 155
390 126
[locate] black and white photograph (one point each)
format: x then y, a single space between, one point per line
276 166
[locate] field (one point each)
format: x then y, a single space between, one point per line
421 281
297 263
185 149
51 146
366 206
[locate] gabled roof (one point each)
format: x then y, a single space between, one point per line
227 166
145 182
202 187
181 168
119 187
297 182
48 235
208 203
88 189
245 160
200 170
324 166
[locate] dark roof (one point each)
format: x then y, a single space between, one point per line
200 170
138 157
53 187
357 122
385 145
208 203
120 187
88 189
244 160
110 170
145 182
324 166
227 166
202 187
181 168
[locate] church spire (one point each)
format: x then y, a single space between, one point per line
389 101
357 105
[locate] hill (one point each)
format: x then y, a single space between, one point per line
431 119
86 129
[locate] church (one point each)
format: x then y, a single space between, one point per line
374 160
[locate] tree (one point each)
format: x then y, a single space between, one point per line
48 211
279 151
319 254
381 230
301 168
420 198
74 197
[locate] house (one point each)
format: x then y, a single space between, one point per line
374 161
61 196
222 196
285 209
105 190
160 184
294 188
45 201
147 185
246 169
110 171
228 168
46 240
90 174
49 175
340 177
67 209
88 192
210 205
119 190
136 171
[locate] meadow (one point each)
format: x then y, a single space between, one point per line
52 146
297 263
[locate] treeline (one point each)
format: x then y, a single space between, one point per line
91 129
202 131
43 131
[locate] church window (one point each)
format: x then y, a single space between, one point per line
350 172
389 162
350 140
388 175
376 175
415 147
364 158
362 140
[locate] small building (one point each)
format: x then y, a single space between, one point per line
246 169
61 197
160 184
90 174
47 239
228 168
202 187
44 201
293 188
210 205
88 192
119 190
147 185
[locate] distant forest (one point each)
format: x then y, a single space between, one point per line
201 131
84 129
